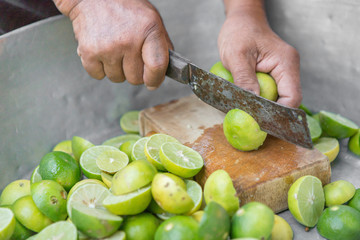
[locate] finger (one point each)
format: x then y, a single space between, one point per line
133 66
242 67
287 77
114 71
94 67
155 54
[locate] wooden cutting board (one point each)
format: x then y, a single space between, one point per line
264 175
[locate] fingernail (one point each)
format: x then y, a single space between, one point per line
151 88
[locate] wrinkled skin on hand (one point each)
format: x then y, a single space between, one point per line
248 45
120 39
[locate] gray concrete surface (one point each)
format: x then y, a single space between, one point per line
46 96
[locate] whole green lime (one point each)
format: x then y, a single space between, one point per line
141 227
219 70
268 87
178 228
242 131
254 219
15 190
339 222
60 167
355 201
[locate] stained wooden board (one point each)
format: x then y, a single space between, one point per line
264 175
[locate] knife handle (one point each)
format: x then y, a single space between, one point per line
178 68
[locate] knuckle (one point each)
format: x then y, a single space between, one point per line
158 63
293 53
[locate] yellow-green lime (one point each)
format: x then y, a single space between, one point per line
314 127
254 219
306 200
64 146
178 228
127 147
132 177
29 215
328 146
59 230
219 188
129 122
339 222
94 222
60 167
170 196
7 223
268 87
195 192
109 159
141 227
355 201
129 204
106 178
281 230
14 191
119 235
316 116
354 143
138 150
79 145
89 160
178 180
306 110
35 176
117 141
20 232
242 131
214 223
152 148
85 181
336 125
338 192
198 215
50 198
219 70
90 195
180 160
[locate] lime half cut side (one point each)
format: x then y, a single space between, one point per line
35 176
314 127
119 140
195 192
59 230
7 223
110 159
354 143
336 125
306 200
152 148
328 146
129 122
138 152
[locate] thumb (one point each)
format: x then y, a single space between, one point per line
243 70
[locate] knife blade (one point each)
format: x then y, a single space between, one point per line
280 121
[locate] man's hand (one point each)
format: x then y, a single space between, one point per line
120 39
248 45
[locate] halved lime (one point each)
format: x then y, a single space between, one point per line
136 175
20 232
127 148
7 223
338 192
50 198
314 127
152 148
354 143
85 181
90 195
119 235
110 159
129 122
117 141
214 223
180 160
198 215
79 145
328 146
138 150
281 230
129 204
219 188
155 208
305 109
170 196
179 228
35 176
106 154
195 192
59 230
336 125
14 191
106 178
29 215
94 222
306 200
141 227
64 146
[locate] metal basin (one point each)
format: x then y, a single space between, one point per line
46 96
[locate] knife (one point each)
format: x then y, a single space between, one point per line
283 122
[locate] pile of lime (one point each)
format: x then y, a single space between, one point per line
307 199
129 187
